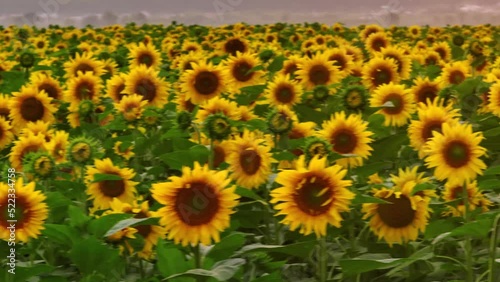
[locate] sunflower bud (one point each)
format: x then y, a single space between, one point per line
39 164
279 123
184 120
321 93
85 108
458 40
217 126
27 60
316 146
82 150
355 98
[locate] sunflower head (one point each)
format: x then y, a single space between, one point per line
83 150
218 126
317 147
27 60
279 122
355 98
39 164
86 108
321 93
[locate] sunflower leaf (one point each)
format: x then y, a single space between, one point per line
222 270
276 64
124 224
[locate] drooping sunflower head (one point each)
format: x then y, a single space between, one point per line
396 102
120 186
379 71
82 150
146 82
348 136
401 218
197 205
203 82
30 105
312 197
131 107
30 213
455 152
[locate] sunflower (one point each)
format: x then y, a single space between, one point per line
312 197
48 84
126 153
454 190
184 61
431 117
82 150
379 71
83 87
415 31
432 58
291 65
355 98
454 73
29 105
218 105
250 160
411 174
197 205
239 73
6 135
146 82
4 107
115 87
369 30
455 152
425 89
84 63
104 191
234 44
110 66
150 233
494 99
376 41
402 226
348 136
38 128
340 58
131 107
144 54
203 82
443 49
318 71
402 61
401 104
57 146
30 211
24 145
282 91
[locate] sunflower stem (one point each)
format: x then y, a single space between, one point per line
493 247
323 259
141 268
211 154
198 261
467 242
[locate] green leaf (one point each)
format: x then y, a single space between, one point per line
478 229
489 184
61 234
226 247
170 260
301 249
351 267
422 254
244 192
124 224
98 177
276 64
494 132
100 226
23 274
222 270
423 186
388 147
437 227
177 159
77 216
494 170
253 89
306 113
91 255
362 199
284 156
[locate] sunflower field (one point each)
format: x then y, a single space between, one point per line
279 152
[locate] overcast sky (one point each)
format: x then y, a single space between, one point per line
79 7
